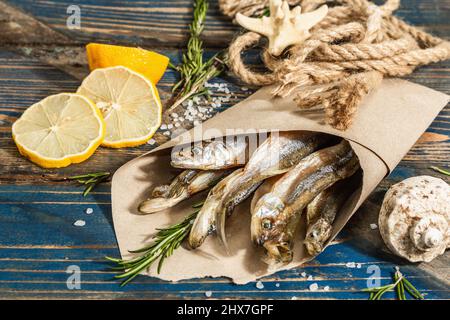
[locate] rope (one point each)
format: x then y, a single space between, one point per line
347 55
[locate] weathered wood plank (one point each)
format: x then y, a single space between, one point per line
34 260
166 22
20 28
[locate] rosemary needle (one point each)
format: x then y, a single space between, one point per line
194 71
90 180
440 170
400 285
166 241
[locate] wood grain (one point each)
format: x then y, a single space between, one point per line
165 23
38 240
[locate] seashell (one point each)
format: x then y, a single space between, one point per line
415 217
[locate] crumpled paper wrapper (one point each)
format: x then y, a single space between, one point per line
388 123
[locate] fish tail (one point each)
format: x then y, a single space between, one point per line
158 204
234 186
220 228
203 224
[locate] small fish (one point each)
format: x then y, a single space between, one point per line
212 155
182 187
277 214
276 155
321 212
205 220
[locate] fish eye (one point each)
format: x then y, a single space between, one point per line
267 224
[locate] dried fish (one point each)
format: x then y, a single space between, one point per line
321 213
277 214
205 220
212 155
182 187
276 155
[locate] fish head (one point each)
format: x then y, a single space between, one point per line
210 156
317 235
264 220
187 157
269 231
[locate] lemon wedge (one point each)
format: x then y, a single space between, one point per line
59 130
150 64
129 102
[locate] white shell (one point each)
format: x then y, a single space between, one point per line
415 218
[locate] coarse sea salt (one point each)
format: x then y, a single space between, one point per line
303 274
373 226
326 288
259 285
310 278
79 223
313 287
208 294
350 265
89 211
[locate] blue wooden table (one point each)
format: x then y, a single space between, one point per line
39 244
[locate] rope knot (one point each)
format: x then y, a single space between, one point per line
346 56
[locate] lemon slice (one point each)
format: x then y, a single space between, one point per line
59 130
129 102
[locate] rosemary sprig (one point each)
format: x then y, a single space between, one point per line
194 71
399 286
440 170
166 241
90 180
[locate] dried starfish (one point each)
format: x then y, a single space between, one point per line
283 27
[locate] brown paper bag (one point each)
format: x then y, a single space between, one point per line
387 125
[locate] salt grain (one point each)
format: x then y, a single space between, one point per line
259 285
163 127
326 288
313 287
294 298
358 265
151 141
310 278
303 274
277 285
208 294
373 226
350 265
89 211
79 223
